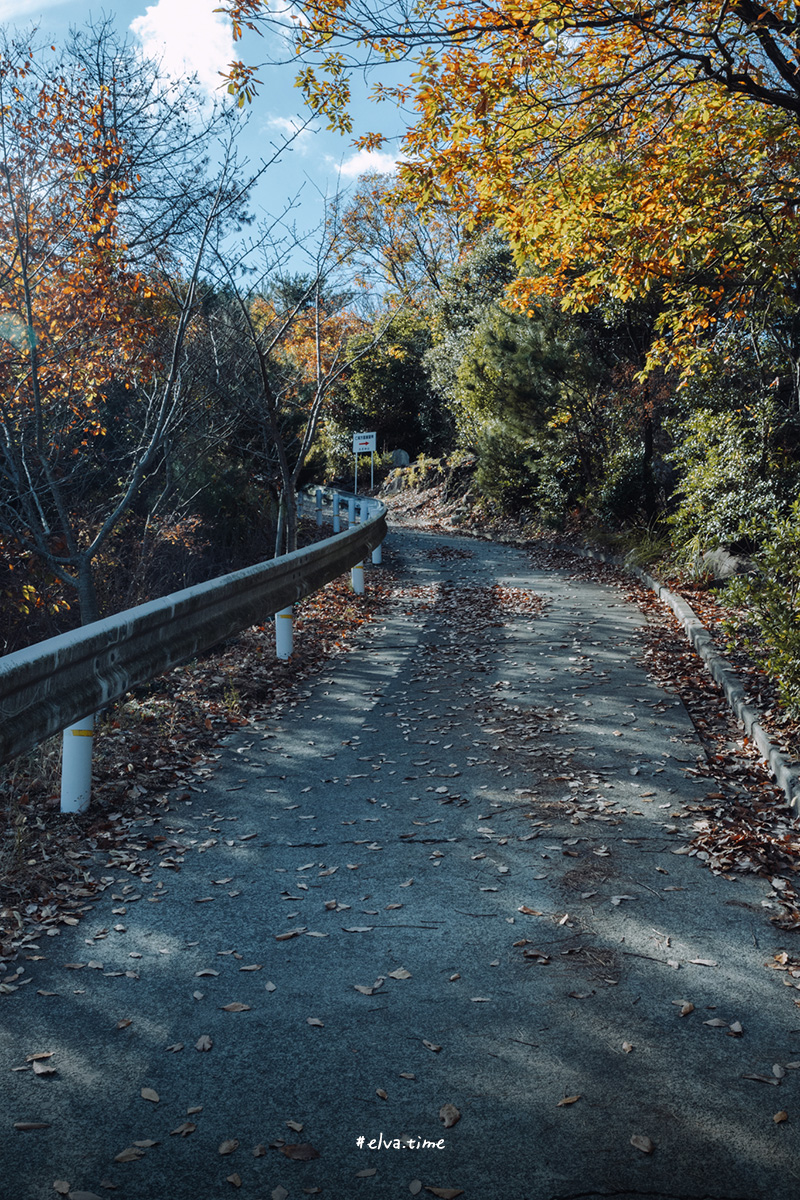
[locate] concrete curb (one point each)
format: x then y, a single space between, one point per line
786 773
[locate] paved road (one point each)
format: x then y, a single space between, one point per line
468 837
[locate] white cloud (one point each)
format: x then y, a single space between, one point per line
296 128
188 37
365 161
26 10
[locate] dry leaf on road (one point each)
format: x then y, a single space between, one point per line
203 1043
149 1094
236 1006
228 1146
642 1143
184 1130
568 1100
302 1152
431 1046
449 1115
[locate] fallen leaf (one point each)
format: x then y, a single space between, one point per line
228 1146
183 1130
236 1006
252 967
280 1193
366 1172
735 1029
260 1150
400 973
762 1078
149 1094
704 962
124 1023
315 1021
197 1108
303 1152
270 987
431 1046
780 1117
380 1092
61 1186
415 1187
642 1143
44 1068
175 1047
235 1179
686 1009
40 1056
778 1071
358 928
568 1100
627 1047
204 972
449 1115
129 1154
203 1043
716 1022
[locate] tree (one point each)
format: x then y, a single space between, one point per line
94 371
626 151
297 345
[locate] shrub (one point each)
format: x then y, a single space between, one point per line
770 598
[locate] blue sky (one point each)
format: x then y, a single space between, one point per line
189 36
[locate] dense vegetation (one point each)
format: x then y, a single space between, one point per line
583 280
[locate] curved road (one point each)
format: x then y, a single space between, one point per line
450 879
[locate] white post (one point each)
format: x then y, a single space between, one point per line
372 470
76 766
355 484
337 524
363 511
284 636
319 506
351 512
357 578
377 556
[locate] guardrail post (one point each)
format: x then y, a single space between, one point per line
76 766
377 555
351 512
337 523
319 506
363 511
284 632
357 578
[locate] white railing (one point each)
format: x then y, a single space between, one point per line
50 686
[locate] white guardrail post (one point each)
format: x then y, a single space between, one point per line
351 512
337 522
319 506
76 766
284 632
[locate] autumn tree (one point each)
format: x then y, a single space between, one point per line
623 151
93 370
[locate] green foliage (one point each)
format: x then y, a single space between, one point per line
737 469
771 600
507 469
388 390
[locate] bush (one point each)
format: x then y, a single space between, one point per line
770 597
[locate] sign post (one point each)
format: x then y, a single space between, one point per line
364 443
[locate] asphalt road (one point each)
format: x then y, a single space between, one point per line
454 874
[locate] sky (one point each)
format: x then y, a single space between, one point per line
188 36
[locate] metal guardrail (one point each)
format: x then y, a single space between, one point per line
55 683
